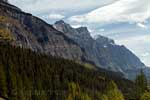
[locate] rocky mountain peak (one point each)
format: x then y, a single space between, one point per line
83 32
83 29
63 27
60 22
104 40
67 26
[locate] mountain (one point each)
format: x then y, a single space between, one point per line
27 31
24 77
102 51
61 40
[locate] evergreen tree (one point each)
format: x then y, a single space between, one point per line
104 97
3 83
23 72
85 96
74 90
145 96
101 96
113 92
69 97
76 94
141 84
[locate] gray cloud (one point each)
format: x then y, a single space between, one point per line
139 45
38 6
120 11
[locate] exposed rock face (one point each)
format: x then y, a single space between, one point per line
82 37
63 41
102 51
5 5
31 32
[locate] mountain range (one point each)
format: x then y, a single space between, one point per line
22 29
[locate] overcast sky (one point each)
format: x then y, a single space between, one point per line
125 21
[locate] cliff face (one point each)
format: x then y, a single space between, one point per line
24 30
30 32
82 37
102 51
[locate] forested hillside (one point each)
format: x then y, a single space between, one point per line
62 40
26 75
39 61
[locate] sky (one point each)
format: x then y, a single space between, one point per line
125 21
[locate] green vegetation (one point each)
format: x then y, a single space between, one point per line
89 66
5 34
112 92
75 93
3 89
3 19
27 75
145 96
140 85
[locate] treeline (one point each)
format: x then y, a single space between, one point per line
27 75
141 87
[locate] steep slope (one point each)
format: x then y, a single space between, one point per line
24 30
82 37
24 77
28 31
118 55
102 51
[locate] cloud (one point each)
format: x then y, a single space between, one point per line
134 41
102 30
142 25
76 26
54 16
146 54
119 11
38 6
139 45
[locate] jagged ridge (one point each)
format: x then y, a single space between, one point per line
102 51
64 41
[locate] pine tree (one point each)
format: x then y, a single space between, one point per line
3 83
25 72
113 92
101 96
85 96
74 90
104 97
76 94
141 84
145 96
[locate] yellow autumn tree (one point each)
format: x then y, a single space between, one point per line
112 92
